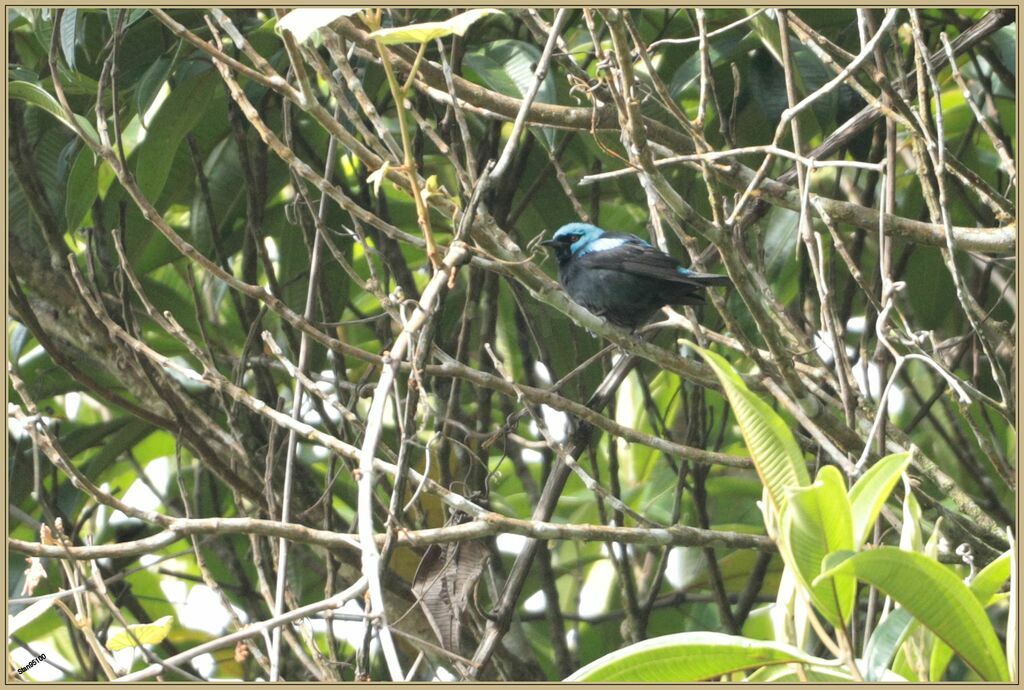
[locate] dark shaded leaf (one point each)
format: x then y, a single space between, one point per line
507 66
884 642
37 96
182 110
81 190
149 85
68 29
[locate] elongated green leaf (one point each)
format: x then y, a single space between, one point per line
911 538
1011 623
726 49
936 597
68 29
871 491
775 453
428 31
507 66
931 547
33 94
884 642
818 523
178 114
813 674
768 31
303 22
734 569
984 586
690 656
80 438
784 674
73 83
116 445
135 16
27 615
151 83
82 189
20 336
759 625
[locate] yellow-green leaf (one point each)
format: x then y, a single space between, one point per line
911 538
776 455
870 492
145 633
818 523
984 586
688 657
936 597
428 31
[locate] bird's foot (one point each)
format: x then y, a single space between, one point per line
635 339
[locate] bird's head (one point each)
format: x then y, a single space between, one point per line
572 239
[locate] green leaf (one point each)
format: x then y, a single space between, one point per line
223 169
1011 623
507 66
150 84
145 633
931 547
27 615
428 31
775 453
734 569
68 29
984 586
884 642
179 113
135 16
44 378
937 598
302 23
33 94
82 189
872 490
767 29
818 523
116 445
75 439
759 624
721 51
73 83
20 336
813 674
688 657
911 538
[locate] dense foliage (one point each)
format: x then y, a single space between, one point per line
282 338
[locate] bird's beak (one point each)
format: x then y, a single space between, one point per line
550 243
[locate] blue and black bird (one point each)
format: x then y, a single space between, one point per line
621 277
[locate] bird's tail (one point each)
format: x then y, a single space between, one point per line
710 279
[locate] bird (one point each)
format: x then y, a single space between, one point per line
622 277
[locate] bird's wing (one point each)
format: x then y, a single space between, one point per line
640 258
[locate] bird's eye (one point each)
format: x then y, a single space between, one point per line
573 238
